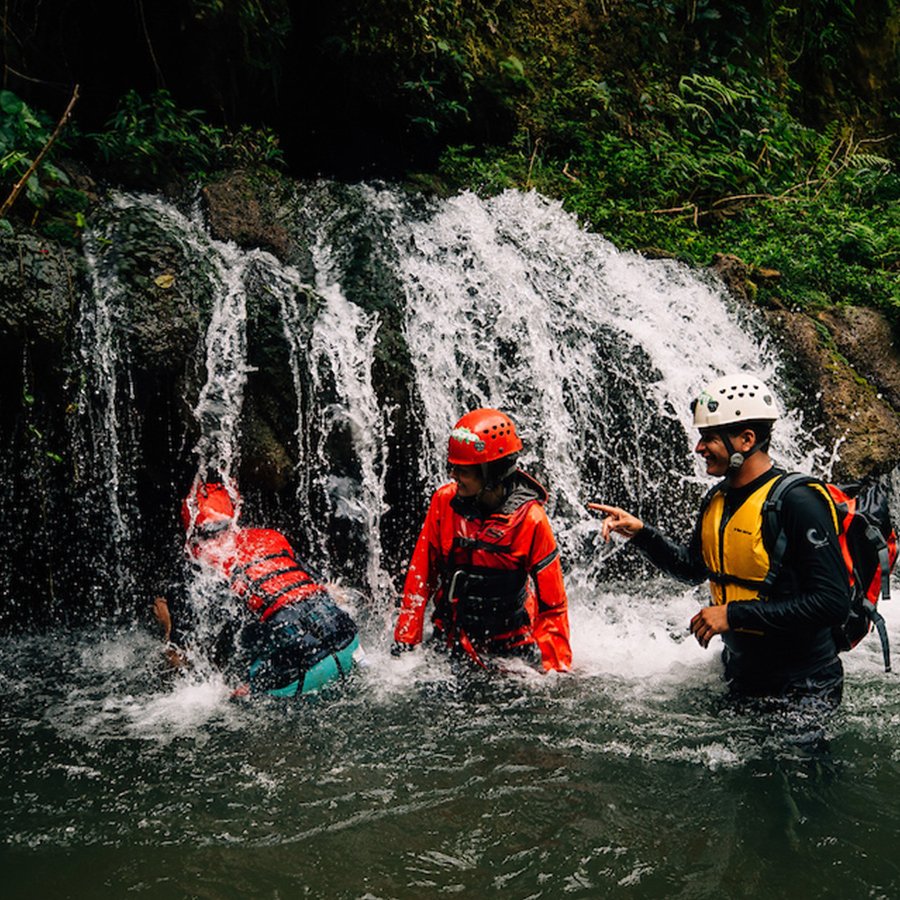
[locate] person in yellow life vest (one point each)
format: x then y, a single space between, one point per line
778 635
487 557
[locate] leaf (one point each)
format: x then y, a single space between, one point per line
165 281
514 65
35 193
10 103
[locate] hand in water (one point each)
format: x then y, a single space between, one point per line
617 520
175 655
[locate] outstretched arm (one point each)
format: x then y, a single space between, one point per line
682 561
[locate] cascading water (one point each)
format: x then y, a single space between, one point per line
104 467
343 344
404 782
340 425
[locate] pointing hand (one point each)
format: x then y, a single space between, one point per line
617 520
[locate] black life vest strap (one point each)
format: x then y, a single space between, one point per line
880 626
752 583
272 599
256 583
237 571
771 515
467 543
876 538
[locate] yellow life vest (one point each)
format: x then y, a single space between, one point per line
733 549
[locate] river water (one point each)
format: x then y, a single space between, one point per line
628 777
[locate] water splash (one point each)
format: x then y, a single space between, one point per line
341 430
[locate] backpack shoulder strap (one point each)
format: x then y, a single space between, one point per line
772 522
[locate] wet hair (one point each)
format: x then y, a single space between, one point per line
761 428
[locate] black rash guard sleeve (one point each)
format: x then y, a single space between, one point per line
812 590
682 561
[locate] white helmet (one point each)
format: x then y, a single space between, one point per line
734 398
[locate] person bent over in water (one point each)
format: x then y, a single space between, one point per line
487 557
290 636
779 635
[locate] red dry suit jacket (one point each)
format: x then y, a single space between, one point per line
260 566
516 538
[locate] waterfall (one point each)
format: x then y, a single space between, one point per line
502 302
104 471
595 352
344 343
340 427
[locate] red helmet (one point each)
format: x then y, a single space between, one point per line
209 507
482 436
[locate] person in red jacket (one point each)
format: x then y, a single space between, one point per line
487 557
290 636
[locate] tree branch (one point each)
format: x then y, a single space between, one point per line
17 189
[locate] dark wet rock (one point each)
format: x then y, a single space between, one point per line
866 339
266 463
246 208
743 280
164 291
39 282
734 272
856 418
844 366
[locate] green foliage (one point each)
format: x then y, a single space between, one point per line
449 59
48 200
679 129
155 137
22 135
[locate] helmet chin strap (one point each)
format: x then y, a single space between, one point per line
735 458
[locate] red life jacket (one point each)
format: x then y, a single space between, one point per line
260 566
485 586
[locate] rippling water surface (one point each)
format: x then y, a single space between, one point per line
628 777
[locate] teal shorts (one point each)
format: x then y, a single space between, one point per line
332 668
